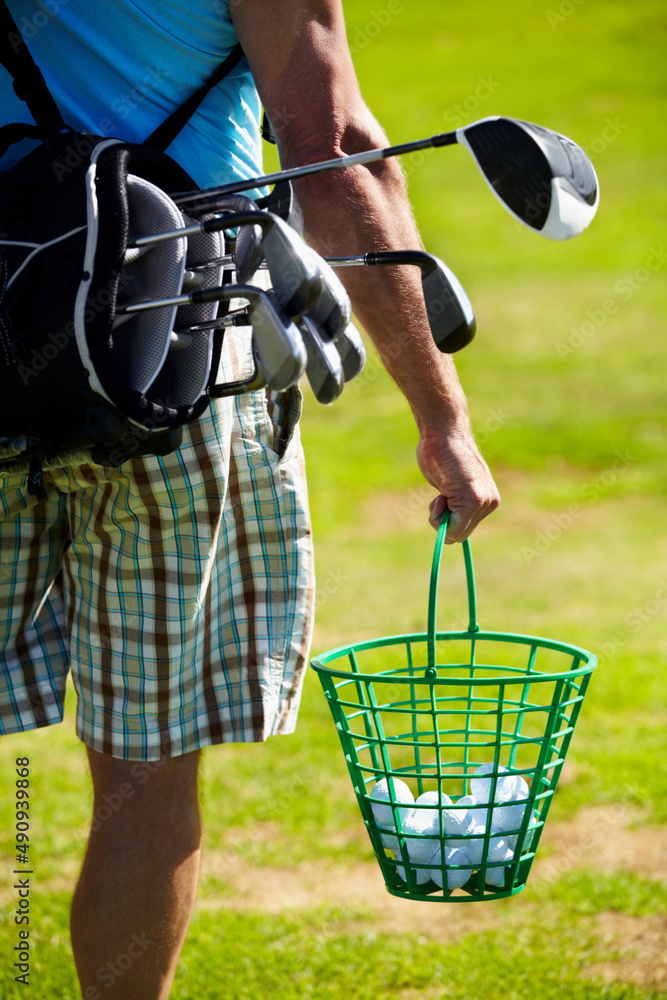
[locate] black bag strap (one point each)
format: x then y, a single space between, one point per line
165 133
29 84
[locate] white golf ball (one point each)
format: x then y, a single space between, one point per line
384 815
508 785
496 876
530 834
455 878
458 821
432 799
477 816
390 842
421 875
508 817
426 819
425 824
498 847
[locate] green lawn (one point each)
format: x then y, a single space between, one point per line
565 381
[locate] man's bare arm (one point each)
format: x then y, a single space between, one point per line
298 52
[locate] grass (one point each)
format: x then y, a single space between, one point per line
566 387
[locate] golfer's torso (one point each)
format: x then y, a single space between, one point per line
120 69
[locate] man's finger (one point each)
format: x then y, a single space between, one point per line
437 508
461 523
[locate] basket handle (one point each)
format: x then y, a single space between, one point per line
433 591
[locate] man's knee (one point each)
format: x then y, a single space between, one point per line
147 795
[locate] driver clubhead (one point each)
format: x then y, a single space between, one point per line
324 368
542 178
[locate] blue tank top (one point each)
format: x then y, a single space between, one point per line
119 69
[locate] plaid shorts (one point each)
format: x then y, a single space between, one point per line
179 590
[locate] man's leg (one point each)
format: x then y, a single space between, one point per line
137 888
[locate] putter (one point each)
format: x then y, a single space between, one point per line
448 308
279 354
324 368
294 277
541 177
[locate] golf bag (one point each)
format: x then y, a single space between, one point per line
79 379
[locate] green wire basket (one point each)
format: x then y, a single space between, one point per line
426 711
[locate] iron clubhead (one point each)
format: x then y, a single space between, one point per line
352 352
324 368
450 314
332 309
278 347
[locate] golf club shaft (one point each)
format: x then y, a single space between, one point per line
367 156
419 258
229 221
201 297
355 261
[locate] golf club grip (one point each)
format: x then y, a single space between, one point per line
234 219
222 293
444 139
420 258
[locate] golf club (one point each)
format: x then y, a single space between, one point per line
324 368
450 314
279 353
332 308
294 277
542 178
248 253
352 352
348 342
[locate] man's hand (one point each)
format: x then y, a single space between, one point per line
452 463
